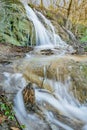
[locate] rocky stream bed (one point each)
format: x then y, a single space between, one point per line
34 69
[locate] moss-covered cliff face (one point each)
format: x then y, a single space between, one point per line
15 28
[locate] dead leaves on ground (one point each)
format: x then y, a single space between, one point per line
2 119
14 128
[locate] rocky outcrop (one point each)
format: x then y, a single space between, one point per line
15 28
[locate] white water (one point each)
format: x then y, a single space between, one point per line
52 119
42 35
55 38
68 109
61 100
45 35
50 26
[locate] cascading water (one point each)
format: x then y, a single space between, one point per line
50 104
61 101
42 35
49 25
56 39
45 37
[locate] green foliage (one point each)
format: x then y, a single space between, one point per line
7 111
81 29
84 37
22 126
82 33
49 15
9 1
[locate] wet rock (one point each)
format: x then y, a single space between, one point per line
10 53
11 84
29 97
4 126
47 52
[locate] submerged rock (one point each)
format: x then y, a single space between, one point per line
29 97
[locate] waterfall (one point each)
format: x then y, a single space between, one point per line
44 36
49 25
49 104
61 100
55 110
65 103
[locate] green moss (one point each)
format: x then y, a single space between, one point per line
83 39
16 28
10 39
82 33
49 15
84 36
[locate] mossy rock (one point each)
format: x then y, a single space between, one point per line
15 27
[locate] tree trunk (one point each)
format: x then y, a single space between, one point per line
68 14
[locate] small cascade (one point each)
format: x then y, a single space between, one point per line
56 107
61 100
31 120
64 102
55 38
42 35
49 26
45 32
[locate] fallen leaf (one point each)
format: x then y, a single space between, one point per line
2 119
14 128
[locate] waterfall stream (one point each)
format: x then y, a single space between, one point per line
42 35
45 36
61 101
50 104
54 110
